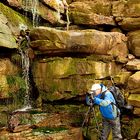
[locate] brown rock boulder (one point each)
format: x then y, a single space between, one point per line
134 81
133 42
133 65
85 41
134 100
127 14
55 4
91 13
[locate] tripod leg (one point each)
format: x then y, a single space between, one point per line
86 117
89 118
96 122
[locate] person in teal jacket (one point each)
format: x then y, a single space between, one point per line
109 111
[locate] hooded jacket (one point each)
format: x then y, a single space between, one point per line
107 105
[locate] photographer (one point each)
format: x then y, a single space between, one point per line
108 109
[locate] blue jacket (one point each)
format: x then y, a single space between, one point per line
107 109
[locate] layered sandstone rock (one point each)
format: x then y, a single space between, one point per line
69 77
91 13
47 39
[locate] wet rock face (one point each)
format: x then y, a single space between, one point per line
52 125
41 9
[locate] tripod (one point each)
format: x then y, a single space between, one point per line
89 113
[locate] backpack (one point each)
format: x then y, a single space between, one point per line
118 96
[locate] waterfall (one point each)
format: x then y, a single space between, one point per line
25 74
68 21
32 5
35 4
23 50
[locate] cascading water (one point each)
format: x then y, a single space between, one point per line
28 5
32 5
65 5
35 4
23 50
25 68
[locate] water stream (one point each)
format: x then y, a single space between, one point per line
23 42
35 4
32 6
25 75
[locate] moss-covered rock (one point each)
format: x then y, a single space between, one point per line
58 78
14 19
12 85
7 40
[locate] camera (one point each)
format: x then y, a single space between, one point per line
91 94
90 97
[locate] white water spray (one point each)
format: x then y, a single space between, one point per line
25 75
25 68
35 4
32 6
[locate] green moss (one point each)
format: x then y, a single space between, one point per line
10 80
17 90
49 130
14 17
16 59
